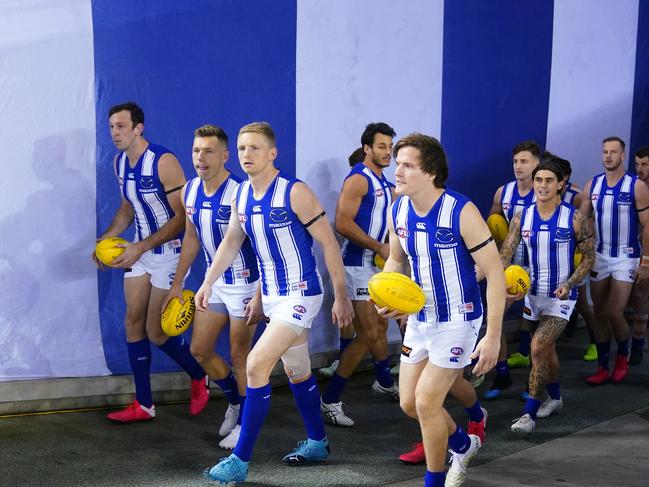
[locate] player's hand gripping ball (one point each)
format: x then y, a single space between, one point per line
517 280
379 261
107 250
177 317
395 291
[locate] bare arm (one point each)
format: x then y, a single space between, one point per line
475 232
398 260
509 246
349 201
191 247
225 254
641 203
309 208
586 205
585 244
495 205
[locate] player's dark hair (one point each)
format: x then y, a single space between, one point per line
431 153
357 156
528 145
615 138
212 131
376 128
137 115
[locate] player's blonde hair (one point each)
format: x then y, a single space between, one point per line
262 128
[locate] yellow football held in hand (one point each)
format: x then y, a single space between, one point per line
498 227
177 317
397 292
107 250
379 261
517 280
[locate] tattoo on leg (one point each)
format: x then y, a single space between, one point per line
545 336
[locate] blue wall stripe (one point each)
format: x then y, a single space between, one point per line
495 89
640 117
186 64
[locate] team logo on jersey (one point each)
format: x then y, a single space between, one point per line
457 350
146 182
526 233
402 232
299 308
224 212
563 234
256 208
379 192
405 350
624 198
420 226
190 210
243 218
278 215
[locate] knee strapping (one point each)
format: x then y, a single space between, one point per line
297 363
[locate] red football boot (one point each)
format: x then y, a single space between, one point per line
200 397
133 413
599 377
620 369
414 456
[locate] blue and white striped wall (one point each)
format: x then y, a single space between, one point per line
480 75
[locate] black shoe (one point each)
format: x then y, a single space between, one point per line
636 357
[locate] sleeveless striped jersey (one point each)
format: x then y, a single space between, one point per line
551 248
142 188
281 242
616 217
211 215
440 261
513 203
371 217
570 194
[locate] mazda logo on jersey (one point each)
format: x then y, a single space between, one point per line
279 215
444 235
563 233
624 198
146 182
224 212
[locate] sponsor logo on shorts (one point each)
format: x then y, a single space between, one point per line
565 306
457 350
527 311
455 360
190 210
297 316
465 308
362 291
563 312
402 232
632 273
172 276
405 350
299 308
207 204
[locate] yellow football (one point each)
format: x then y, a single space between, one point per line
379 261
397 292
106 250
517 280
498 227
577 258
177 317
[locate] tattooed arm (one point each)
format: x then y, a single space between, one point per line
508 248
585 244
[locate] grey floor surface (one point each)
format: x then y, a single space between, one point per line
600 438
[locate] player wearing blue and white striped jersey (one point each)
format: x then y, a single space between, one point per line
150 179
619 204
442 236
207 200
361 218
282 217
509 200
551 231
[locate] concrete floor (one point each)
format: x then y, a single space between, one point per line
600 438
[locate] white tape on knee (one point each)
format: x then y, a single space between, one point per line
297 363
